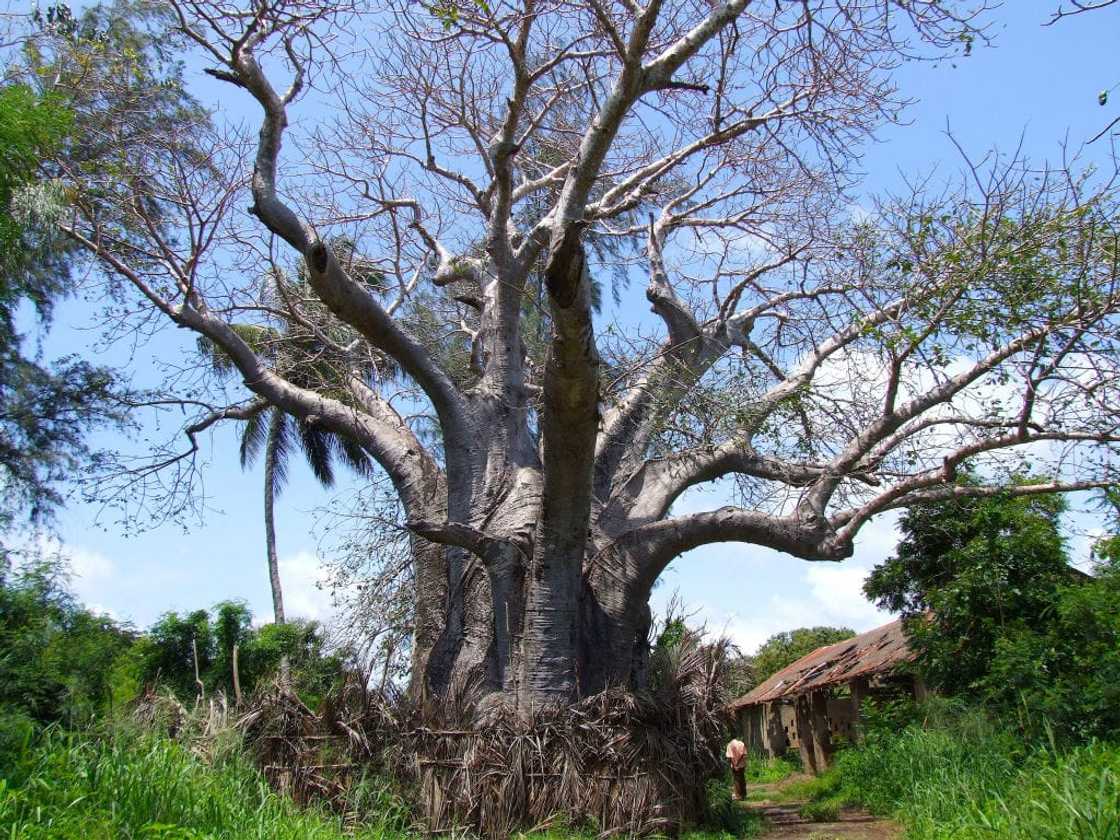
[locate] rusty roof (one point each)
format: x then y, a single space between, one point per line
864 655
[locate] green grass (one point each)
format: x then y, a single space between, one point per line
127 785
761 771
972 781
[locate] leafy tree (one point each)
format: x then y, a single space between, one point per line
1107 548
171 649
56 658
87 95
45 410
967 571
1063 671
785 648
167 652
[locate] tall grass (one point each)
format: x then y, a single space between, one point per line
970 780
130 785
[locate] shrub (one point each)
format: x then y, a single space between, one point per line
167 653
963 777
56 658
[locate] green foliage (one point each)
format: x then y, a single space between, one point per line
167 653
981 566
785 648
823 810
56 658
32 127
964 777
44 410
77 105
1107 549
768 770
1009 618
1065 672
131 785
672 635
726 817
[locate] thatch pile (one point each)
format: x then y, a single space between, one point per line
309 755
625 763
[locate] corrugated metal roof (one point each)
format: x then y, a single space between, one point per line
864 655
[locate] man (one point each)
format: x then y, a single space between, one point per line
737 755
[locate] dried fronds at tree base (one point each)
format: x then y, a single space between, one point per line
205 729
306 755
627 763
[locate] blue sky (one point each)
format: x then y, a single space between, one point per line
1039 83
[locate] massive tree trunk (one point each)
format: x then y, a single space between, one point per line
538 486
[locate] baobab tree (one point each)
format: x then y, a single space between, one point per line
497 160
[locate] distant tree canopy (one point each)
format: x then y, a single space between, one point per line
784 649
58 661
166 655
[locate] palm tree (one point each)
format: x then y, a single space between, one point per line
312 362
277 432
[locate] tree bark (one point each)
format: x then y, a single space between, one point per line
275 424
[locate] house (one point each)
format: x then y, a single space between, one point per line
815 701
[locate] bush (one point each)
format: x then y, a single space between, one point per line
167 653
761 771
56 658
725 815
1066 673
963 776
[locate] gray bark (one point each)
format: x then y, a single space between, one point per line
539 525
275 420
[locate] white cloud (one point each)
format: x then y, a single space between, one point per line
101 609
86 565
305 592
749 596
89 571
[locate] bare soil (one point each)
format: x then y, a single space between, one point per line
786 823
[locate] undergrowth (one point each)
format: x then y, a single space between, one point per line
966 778
762 771
124 785
130 784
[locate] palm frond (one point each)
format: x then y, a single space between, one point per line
257 336
253 436
354 456
319 446
280 441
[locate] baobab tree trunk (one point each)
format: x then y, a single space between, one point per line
539 497
270 457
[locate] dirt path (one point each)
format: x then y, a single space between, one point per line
786 823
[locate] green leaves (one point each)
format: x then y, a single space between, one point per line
994 608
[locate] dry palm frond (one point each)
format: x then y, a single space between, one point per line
628 763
